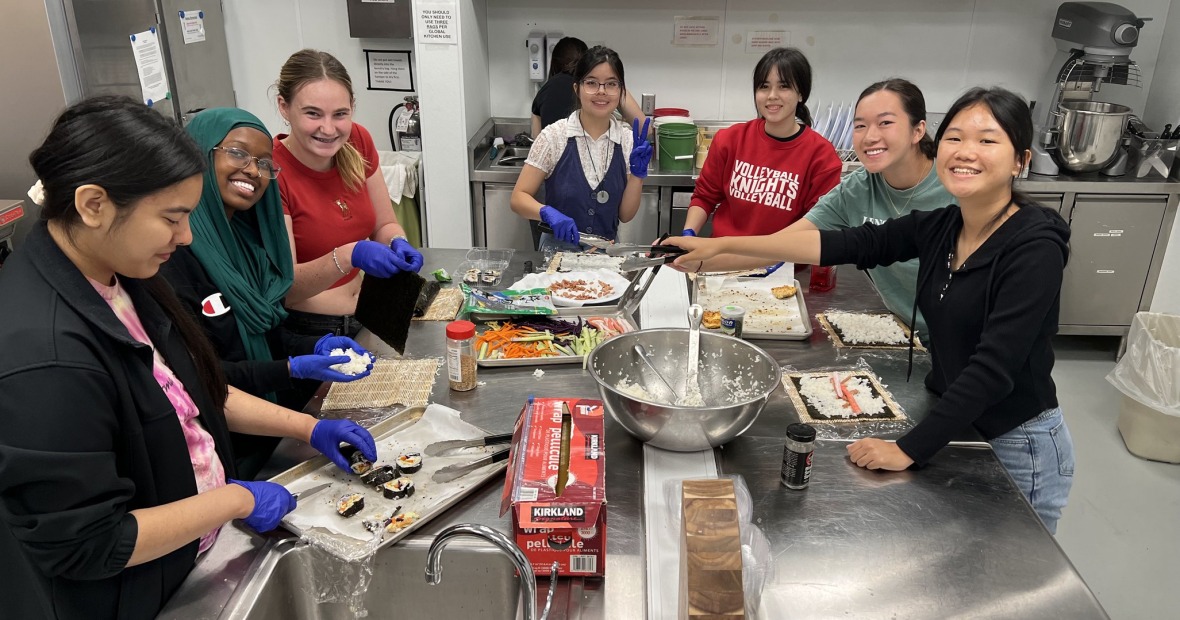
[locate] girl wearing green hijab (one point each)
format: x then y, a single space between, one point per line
238 269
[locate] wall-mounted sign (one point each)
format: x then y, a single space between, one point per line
389 70
761 41
192 26
153 82
437 22
695 30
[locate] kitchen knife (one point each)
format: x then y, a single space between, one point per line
306 493
452 472
441 448
586 239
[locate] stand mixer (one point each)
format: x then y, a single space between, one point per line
1075 132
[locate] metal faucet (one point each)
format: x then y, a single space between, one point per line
523 567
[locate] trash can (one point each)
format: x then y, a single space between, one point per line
1148 375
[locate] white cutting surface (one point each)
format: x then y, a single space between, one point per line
666 305
438 423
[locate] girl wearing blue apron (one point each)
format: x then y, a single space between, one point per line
591 165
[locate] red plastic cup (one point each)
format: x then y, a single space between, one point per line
823 279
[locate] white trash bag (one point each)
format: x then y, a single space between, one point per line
1149 371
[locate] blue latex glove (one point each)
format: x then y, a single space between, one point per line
376 259
564 227
328 342
641 152
271 502
688 232
329 434
319 367
410 259
773 268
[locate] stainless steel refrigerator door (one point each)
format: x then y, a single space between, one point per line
200 72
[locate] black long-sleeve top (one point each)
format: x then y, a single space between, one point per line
991 321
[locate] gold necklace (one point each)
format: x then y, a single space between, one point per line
913 190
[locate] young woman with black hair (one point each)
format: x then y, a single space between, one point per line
115 465
890 139
989 284
591 165
558 96
763 175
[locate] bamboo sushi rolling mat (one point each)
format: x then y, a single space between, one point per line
444 307
393 381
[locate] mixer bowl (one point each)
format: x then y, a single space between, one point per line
736 379
1090 134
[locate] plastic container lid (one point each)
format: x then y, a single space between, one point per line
672 119
669 112
801 432
462 330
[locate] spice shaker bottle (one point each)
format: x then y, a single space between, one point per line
732 318
461 355
800 447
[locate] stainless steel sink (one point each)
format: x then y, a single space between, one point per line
512 156
480 583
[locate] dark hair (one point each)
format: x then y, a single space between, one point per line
793 69
307 66
592 58
131 152
1014 117
912 102
566 54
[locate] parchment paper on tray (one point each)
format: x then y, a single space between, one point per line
767 315
409 431
408 382
863 330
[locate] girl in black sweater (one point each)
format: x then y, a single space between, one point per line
989 285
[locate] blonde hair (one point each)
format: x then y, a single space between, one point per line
306 66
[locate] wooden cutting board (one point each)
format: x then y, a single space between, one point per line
710 551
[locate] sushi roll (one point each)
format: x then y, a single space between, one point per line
378 522
398 488
401 522
409 463
472 276
350 504
379 475
357 461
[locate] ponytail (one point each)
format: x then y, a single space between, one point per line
351 165
927 146
802 113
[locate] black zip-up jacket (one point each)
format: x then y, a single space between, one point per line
991 322
205 301
86 436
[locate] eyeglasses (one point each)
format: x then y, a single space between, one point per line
611 87
241 159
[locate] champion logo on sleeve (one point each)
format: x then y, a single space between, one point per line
214 305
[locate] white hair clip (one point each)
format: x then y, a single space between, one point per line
37 193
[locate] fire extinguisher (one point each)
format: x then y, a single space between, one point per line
406 127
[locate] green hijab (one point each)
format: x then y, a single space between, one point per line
248 257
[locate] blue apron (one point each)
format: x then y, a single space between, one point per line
568 191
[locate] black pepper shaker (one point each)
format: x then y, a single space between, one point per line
800 447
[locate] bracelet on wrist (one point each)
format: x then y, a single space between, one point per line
337 261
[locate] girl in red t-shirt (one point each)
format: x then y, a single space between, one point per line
338 212
764 174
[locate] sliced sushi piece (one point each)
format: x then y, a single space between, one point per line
357 461
350 504
488 278
472 276
398 488
409 463
379 475
378 522
401 521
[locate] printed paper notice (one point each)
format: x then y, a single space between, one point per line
760 41
436 22
389 71
695 30
149 61
192 25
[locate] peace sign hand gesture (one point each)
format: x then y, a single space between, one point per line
641 151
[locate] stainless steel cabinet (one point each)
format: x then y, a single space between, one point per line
502 228
1112 244
1052 201
679 200
645 226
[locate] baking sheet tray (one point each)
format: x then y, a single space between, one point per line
838 339
567 313
767 317
409 430
808 414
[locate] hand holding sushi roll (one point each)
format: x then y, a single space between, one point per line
271 503
329 434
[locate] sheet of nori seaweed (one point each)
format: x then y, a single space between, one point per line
888 414
386 306
425 296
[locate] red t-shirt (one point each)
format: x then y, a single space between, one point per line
756 185
325 214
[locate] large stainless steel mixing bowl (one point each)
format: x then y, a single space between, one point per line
728 366
1090 134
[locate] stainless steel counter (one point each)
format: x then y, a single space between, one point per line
955 539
